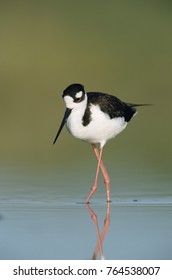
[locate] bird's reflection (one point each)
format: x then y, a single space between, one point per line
100 236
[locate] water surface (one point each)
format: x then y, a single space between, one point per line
47 219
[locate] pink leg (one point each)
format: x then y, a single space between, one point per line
94 187
104 172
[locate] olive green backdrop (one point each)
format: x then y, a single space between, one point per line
120 47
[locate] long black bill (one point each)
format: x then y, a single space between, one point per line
66 115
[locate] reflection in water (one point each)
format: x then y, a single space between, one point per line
100 236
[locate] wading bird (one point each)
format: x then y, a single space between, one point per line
95 117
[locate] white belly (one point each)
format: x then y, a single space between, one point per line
99 130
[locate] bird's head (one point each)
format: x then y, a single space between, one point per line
74 96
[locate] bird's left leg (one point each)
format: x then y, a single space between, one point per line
104 172
94 187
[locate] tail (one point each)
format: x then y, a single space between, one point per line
132 109
136 105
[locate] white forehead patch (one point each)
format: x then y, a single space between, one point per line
69 101
78 94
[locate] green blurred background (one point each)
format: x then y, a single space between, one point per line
120 47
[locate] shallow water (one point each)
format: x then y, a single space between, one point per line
45 218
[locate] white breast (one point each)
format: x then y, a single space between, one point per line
99 130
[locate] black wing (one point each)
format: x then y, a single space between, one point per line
111 105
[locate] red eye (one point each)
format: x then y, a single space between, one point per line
77 100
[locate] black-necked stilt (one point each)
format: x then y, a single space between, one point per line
95 117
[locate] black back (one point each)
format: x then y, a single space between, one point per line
110 105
